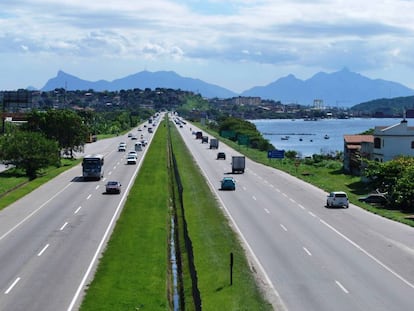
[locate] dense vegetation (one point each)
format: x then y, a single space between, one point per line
385 107
51 134
241 131
395 178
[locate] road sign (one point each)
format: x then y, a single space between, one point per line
243 140
228 134
276 154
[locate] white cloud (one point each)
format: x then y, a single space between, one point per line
238 34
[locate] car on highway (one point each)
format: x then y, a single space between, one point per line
228 183
122 148
129 135
374 198
133 153
113 186
337 199
221 155
131 159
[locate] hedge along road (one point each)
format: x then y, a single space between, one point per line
133 272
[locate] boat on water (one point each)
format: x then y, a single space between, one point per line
326 136
284 138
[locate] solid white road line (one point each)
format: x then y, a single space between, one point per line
33 213
368 254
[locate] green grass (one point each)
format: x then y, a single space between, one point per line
213 241
132 275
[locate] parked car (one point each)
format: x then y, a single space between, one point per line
337 199
374 198
228 183
221 155
113 187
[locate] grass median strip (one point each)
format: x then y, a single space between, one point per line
213 240
132 275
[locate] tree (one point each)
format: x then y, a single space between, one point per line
395 178
29 151
64 126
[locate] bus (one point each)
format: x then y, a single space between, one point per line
92 166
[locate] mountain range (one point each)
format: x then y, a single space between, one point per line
343 88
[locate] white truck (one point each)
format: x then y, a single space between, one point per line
238 164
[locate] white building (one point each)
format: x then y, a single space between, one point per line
393 141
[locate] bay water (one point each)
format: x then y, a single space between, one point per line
323 136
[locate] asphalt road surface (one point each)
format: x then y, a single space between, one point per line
308 256
51 240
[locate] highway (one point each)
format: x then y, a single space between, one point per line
51 239
310 257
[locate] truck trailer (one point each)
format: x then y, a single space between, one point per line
238 164
214 143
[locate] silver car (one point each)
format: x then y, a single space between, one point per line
337 199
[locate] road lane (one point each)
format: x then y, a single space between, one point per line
317 258
50 239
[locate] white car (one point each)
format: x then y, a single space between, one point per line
337 199
131 159
133 153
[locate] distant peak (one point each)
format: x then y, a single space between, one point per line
289 77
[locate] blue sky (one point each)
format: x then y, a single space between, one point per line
236 44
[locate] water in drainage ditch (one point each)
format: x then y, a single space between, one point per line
173 260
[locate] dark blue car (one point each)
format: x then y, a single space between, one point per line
228 183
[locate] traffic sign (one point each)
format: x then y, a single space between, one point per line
276 154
